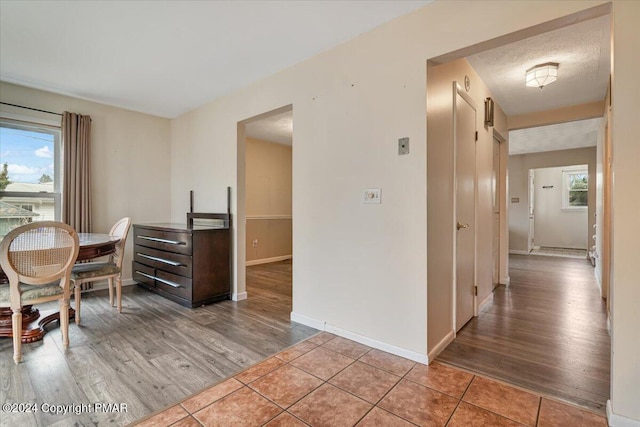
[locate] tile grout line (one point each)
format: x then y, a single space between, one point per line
521 388
309 373
402 377
539 409
459 401
374 405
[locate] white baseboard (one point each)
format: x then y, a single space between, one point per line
323 326
239 297
103 284
609 322
485 302
597 272
615 420
268 260
518 252
398 351
308 321
442 345
506 281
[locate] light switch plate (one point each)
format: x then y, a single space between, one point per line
403 146
372 196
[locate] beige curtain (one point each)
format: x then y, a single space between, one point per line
76 204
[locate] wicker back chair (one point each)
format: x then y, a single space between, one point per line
37 259
110 270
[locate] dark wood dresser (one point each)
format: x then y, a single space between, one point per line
188 264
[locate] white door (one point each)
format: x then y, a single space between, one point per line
465 154
557 224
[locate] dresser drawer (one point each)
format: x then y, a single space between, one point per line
172 241
188 265
167 261
173 284
163 281
144 274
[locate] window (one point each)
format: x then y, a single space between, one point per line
30 183
575 189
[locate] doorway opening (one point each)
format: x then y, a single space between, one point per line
558 218
265 148
533 295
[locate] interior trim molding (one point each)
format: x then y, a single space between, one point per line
307 321
275 217
389 348
615 420
442 345
518 252
324 326
598 274
239 296
268 260
485 302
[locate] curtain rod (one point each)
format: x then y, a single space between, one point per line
29 108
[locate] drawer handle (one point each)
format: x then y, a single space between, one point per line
165 261
156 239
148 276
167 282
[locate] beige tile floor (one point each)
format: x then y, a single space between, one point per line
331 381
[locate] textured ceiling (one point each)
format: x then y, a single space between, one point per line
563 136
582 50
169 57
277 128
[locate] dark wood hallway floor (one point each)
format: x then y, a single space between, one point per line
546 332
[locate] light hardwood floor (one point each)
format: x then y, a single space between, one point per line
546 332
154 354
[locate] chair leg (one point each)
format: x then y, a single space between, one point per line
16 320
64 322
77 292
110 282
119 293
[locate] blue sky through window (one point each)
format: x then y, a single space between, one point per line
28 154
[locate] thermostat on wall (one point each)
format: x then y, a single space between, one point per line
372 195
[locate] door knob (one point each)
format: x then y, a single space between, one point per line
460 225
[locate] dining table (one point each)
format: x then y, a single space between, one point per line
92 245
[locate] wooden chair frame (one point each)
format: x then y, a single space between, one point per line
43 275
116 258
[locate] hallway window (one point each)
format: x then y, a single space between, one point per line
576 185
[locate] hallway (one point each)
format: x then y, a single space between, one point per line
545 332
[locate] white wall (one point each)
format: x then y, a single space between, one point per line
625 289
130 158
268 201
360 268
554 226
519 166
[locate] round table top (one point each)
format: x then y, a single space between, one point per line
95 245
92 239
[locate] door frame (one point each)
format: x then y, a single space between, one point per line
458 90
531 208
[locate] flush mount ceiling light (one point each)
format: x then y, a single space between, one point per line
541 75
